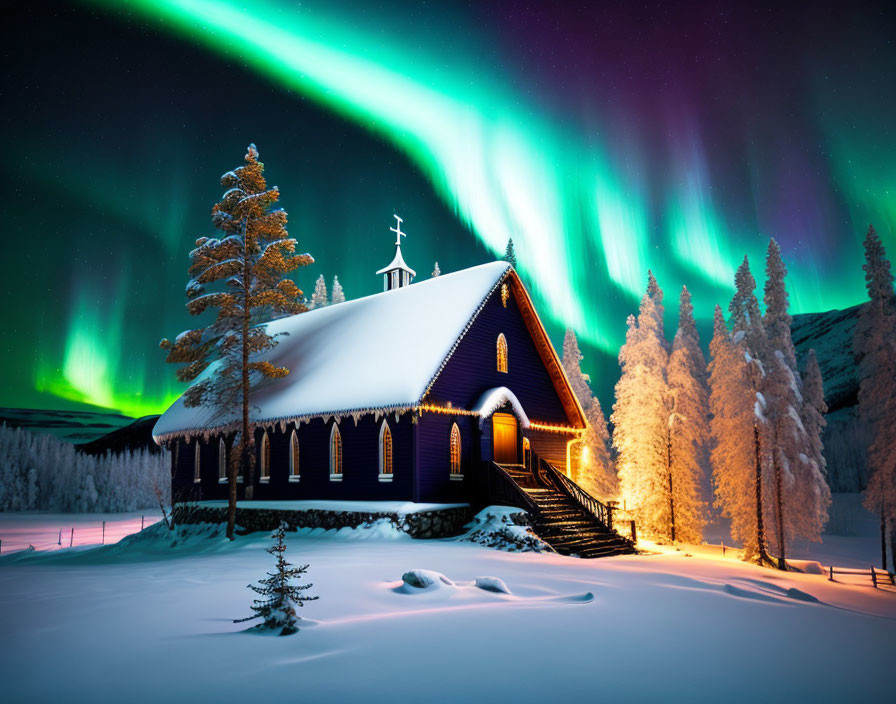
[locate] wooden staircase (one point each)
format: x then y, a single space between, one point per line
564 516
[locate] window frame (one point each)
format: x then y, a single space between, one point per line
295 469
502 353
386 463
222 461
197 463
264 453
455 445
336 454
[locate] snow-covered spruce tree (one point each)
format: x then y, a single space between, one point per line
248 268
732 424
656 293
750 338
814 408
597 473
280 596
875 347
687 427
338 295
510 253
639 421
436 271
319 298
798 494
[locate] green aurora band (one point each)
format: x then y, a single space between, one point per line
582 212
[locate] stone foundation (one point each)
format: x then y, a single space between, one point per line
438 523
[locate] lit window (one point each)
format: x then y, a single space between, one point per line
265 458
455 451
385 453
293 457
222 461
196 465
335 454
502 353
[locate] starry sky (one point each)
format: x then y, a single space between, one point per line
604 140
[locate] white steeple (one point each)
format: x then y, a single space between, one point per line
397 274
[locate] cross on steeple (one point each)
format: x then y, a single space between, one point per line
397 230
397 274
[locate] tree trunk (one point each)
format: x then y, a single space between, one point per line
232 467
247 439
779 515
760 528
893 548
883 539
669 471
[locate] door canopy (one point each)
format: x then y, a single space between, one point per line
496 398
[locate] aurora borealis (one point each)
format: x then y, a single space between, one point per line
605 141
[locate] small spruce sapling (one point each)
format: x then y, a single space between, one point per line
436 271
337 295
279 597
510 254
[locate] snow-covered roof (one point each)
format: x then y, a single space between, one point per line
493 399
376 353
397 263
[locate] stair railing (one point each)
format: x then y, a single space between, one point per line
566 486
503 488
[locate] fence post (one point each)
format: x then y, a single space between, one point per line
634 534
103 541
1 546
831 573
723 548
71 540
873 577
60 536
142 518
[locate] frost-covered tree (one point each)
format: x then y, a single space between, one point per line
42 473
280 596
735 450
687 427
639 421
319 298
436 271
875 347
338 295
798 493
596 473
656 293
510 253
814 408
247 269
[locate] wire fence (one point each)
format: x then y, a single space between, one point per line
56 532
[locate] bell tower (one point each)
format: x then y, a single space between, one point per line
397 274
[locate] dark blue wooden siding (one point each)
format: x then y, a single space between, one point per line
472 368
360 464
434 457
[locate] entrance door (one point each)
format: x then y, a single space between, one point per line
504 428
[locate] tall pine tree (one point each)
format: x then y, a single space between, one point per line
337 295
319 298
510 253
751 340
639 421
732 404
875 347
687 427
248 269
797 493
596 473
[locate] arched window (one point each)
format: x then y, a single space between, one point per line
196 463
502 353
265 458
335 454
294 457
385 452
454 443
222 461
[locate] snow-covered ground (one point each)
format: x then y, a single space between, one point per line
53 531
143 621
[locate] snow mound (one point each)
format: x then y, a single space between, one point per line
416 581
504 528
492 584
